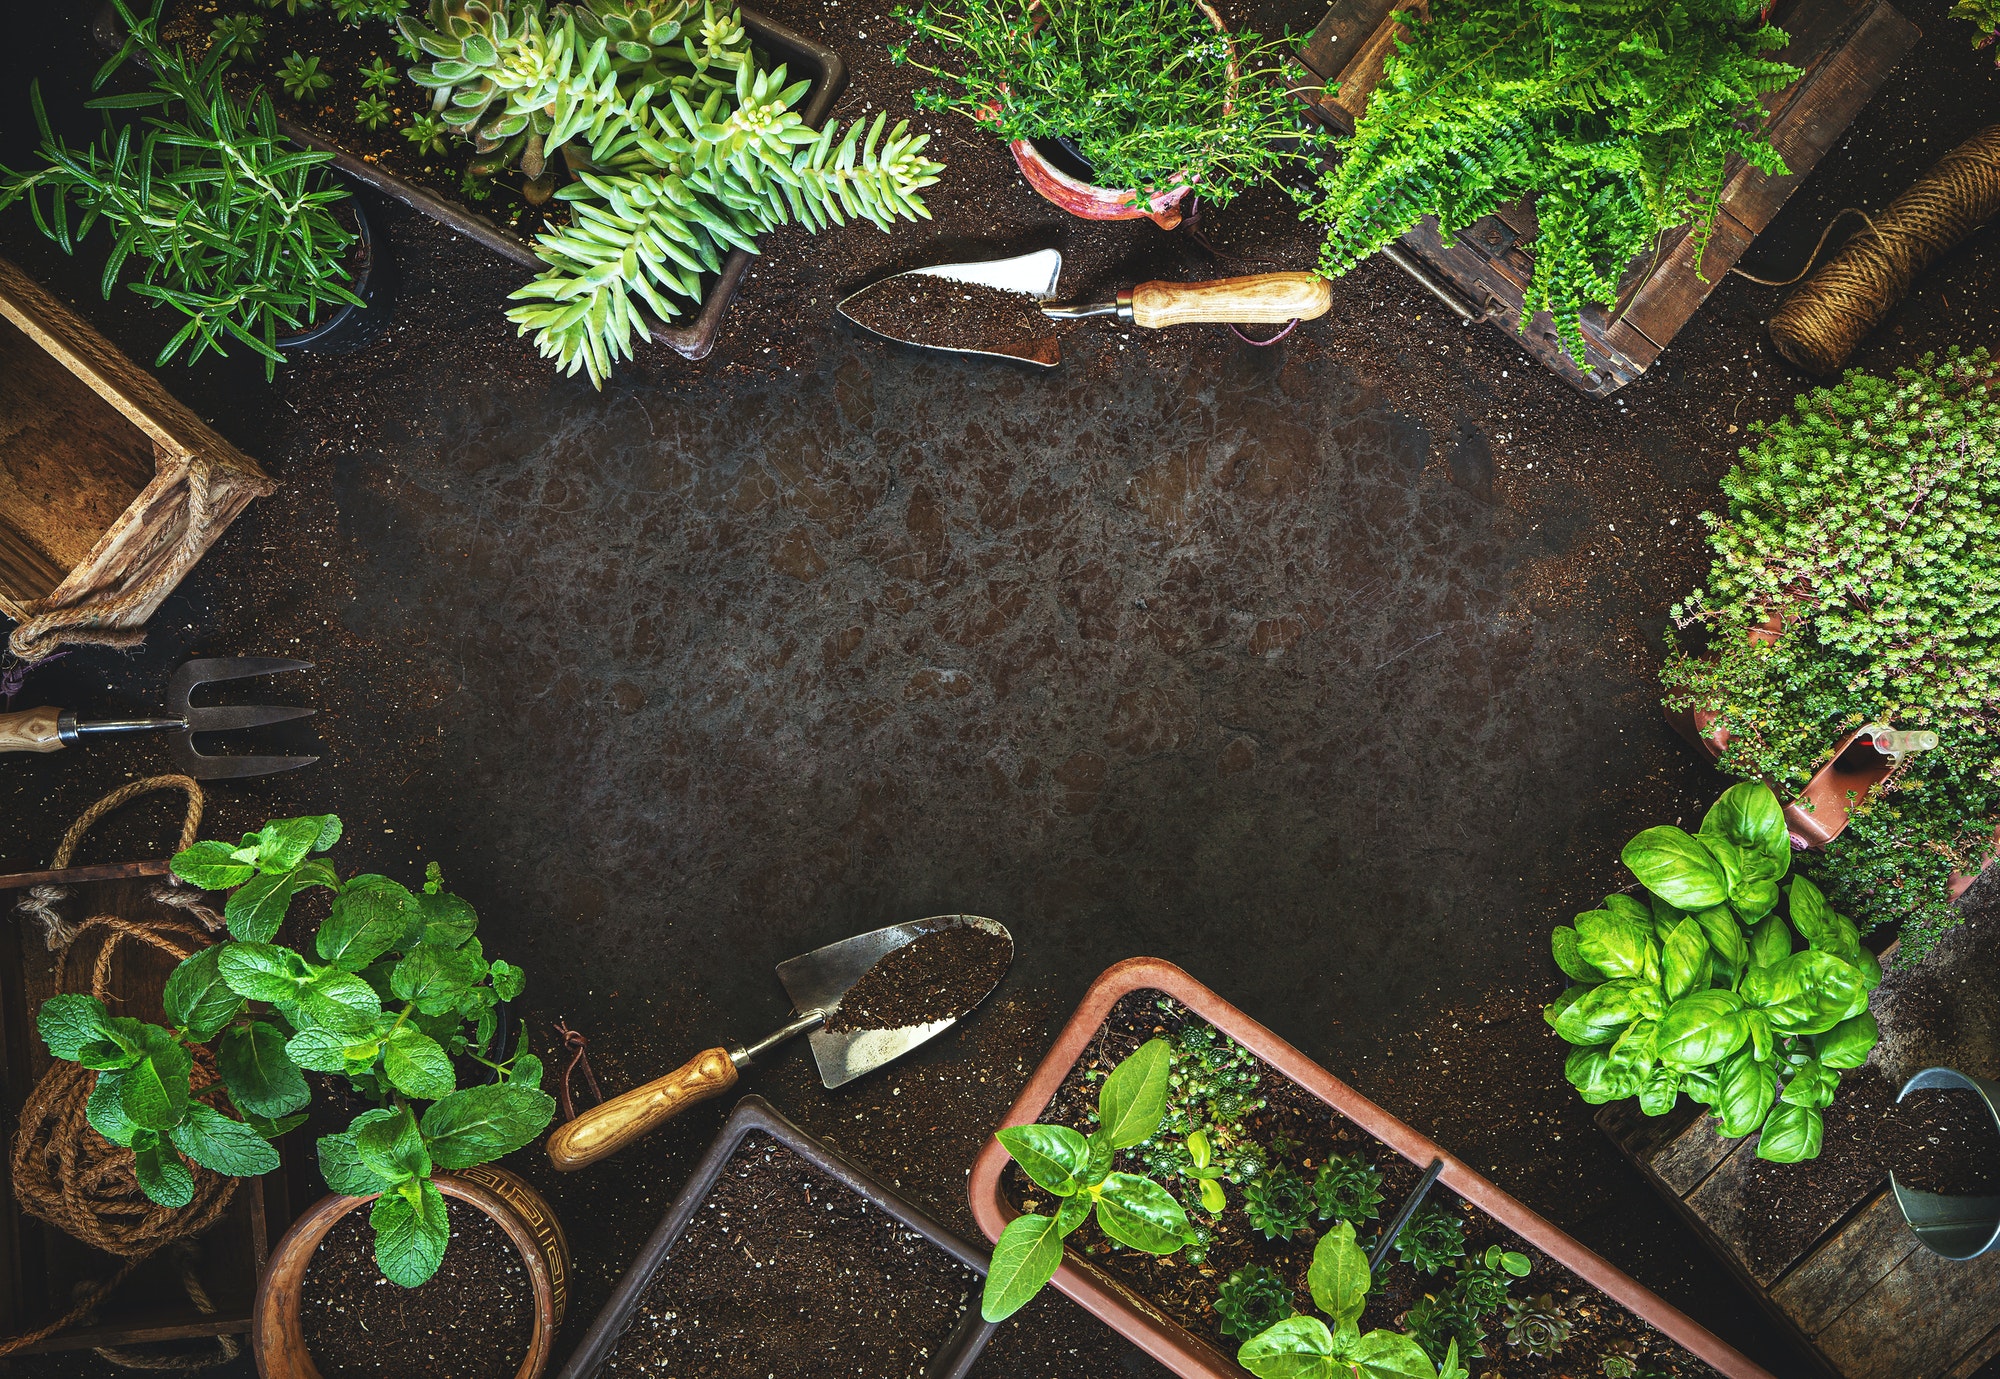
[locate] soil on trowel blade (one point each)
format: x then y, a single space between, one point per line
936 976
923 310
784 1274
473 1320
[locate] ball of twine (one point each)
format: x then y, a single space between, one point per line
1819 325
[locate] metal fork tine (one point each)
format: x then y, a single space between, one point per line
211 669
223 717
203 767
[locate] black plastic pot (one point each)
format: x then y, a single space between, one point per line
347 327
753 1114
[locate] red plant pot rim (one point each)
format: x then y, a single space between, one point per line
1172 1344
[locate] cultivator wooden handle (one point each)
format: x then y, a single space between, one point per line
610 1126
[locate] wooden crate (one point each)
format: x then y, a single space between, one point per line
1860 1294
39 1265
95 463
1845 49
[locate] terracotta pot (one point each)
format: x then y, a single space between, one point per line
275 1337
1172 1344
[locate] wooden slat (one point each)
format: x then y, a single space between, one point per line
1841 1272
1348 25
1910 1322
106 871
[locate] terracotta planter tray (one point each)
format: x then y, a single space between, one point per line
1846 49
1173 1345
754 1115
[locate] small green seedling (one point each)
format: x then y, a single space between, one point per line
1207 1172
427 134
379 76
1305 1347
238 36
1133 1210
372 112
302 78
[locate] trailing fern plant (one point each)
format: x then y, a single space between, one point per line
1616 116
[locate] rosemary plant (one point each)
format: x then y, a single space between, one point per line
1147 90
231 223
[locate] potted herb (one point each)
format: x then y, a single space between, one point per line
777 1249
1693 985
221 218
395 995
1861 526
1484 104
1148 100
1282 1175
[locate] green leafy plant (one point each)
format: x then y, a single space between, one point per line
302 78
290 7
1617 117
354 13
238 36
1983 15
1148 91
1305 1347
1536 1326
379 76
1696 988
1347 1188
1459 1313
1865 522
426 135
397 988
1279 1202
1431 1239
1131 1209
230 222
1213 1083
1253 1299
372 112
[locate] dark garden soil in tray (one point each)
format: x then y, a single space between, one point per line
1186 1291
936 311
784 1274
473 1320
935 976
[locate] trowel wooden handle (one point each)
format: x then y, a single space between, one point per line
30 730
1272 298
609 1127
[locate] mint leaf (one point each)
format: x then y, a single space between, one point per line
526 1072
213 866
417 1066
318 1050
197 998
447 920
68 1023
340 1161
370 916
154 1091
106 1111
435 979
163 1177
392 1147
223 1145
410 1237
475 1125
283 843
340 1001
509 981
262 971
261 1076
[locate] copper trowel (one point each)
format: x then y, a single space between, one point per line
817 983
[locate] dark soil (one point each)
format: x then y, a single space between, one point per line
473 1320
784 1274
1186 1292
923 310
935 976
1948 1144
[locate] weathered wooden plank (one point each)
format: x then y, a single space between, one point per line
1912 1321
1974 1359
1843 1270
1348 25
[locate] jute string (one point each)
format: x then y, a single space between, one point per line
42 900
67 1174
1819 325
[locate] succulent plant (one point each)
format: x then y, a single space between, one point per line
291 7
372 112
1437 1321
492 75
1279 1202
238 35
1536 1326
639 34
426 135
1347 1189
379 76
302 78
1252 1299
1431 1238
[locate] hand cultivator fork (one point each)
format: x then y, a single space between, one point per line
50 730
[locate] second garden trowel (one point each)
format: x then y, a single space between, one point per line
854 1028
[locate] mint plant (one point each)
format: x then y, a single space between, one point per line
1697 989
400 988
1305 1347
1131 1209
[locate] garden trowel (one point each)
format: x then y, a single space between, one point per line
817 982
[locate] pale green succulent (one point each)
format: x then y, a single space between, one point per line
639 35
492 71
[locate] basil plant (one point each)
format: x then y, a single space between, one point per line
1699 986
1304 1347
399 989
1131 1209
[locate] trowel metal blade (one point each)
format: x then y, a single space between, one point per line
821 979
1033 275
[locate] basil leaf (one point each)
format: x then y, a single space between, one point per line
1812 1084
1762 1037
1387 1354
1101 1156
417 1066
197 998
154 1091
163 1177
1792 1135
1806 993
1660 1091
261 971
392 1147
477 1124
1553 1011
1133 1099
1598 1079
213 866
410 1237
222 1145
1724 935
1138 1212
370 916
1073 1212
68 1023
1338 1277
1700 1028
1603 1011
1818 925
259 1072
1754 899
1684 960
1637 1047
1025 1257
1848 1044
1676 868
1615 944
1055 1157
105 1110
1572 963
1770 942
1746 1092
435 979
1749 816
1295 1348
